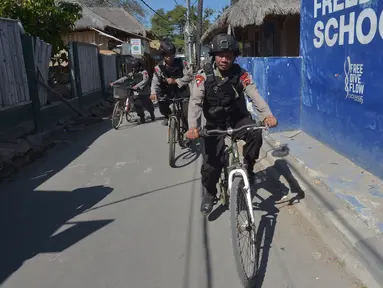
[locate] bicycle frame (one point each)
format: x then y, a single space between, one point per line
176 114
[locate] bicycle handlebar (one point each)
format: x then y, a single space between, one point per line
182 99
119 85
215 132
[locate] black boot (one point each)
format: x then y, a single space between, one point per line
250 171
152 116
207 203
142 120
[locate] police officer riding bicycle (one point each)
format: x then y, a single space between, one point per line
141 97
219 93
170 79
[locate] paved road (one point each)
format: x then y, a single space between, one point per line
105 210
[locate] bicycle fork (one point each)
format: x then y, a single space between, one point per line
246 190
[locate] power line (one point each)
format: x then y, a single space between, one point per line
155 12
119 5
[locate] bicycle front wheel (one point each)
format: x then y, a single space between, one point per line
118 114
172 141
243 235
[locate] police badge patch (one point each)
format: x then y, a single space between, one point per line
199 79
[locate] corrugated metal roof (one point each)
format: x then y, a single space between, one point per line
102 17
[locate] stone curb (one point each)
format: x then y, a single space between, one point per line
337 225
330 217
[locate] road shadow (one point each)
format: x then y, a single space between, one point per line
266 211
29 216
140 195
29 228
268 193
189 155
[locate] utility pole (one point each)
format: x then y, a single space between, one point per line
188 33
199 33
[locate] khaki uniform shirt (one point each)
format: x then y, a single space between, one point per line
198 95
158 76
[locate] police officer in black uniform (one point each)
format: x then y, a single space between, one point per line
170 79
219 93
141 97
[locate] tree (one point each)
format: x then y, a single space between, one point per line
43 18
172 23
134 7
160 25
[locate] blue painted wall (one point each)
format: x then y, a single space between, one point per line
278 80
342 78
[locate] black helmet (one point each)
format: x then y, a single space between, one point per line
222 43
167 47
135 63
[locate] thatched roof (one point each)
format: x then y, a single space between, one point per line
249 12
102 17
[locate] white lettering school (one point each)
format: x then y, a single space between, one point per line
347 27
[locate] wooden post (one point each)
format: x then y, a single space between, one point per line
102 75
71 67
29 61
75 72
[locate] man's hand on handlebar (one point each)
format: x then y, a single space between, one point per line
153 97
270 121
192 134
171 81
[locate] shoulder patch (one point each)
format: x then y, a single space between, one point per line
245 79
199 79
145 73
157 69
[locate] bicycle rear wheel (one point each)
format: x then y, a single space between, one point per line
243 235
172 141
118 114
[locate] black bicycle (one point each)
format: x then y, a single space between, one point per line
177 127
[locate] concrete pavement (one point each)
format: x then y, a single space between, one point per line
104 209
342 200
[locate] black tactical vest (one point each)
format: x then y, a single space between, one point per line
175 71
137 77
222 105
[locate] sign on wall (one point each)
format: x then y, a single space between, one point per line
345 37
342 98
136 47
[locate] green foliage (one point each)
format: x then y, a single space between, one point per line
172 23
160 26
43 18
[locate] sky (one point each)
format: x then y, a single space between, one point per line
170 4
